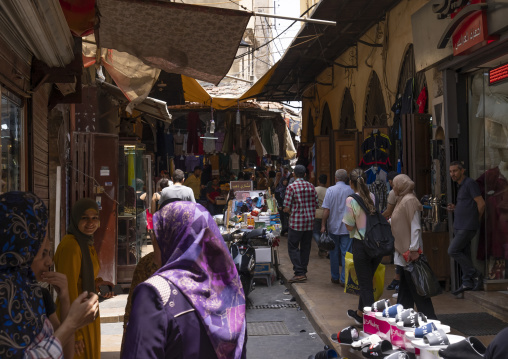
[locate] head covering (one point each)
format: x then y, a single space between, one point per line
23 220
197 261
405 208
84 241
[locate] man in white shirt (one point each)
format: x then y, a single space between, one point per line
177 190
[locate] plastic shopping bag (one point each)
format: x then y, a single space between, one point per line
325 243
423 278
149 220
352 286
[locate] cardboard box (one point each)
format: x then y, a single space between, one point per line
220 201
262 268
263 255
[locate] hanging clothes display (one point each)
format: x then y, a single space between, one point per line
208 143
421 102
376 173
234 162
178 139
380 191
375 150
214 161
267 135
191 162
219 142
276 145
179 162
260 149
193 127
223 161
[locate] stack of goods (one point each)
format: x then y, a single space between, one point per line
390 331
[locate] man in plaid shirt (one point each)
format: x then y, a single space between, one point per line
301 201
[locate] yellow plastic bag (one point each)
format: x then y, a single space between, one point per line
352 286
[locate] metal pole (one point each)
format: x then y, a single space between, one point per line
315 21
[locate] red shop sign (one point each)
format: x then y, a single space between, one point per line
498 74
471 34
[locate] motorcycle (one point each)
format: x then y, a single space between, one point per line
244 255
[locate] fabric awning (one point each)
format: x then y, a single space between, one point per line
194 92
153 107
192 40
41 28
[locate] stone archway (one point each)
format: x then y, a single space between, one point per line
375 110
326 121
347 113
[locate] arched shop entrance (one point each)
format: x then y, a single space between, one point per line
346 156
375 110
411 131
324 145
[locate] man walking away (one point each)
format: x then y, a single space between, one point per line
194 182
334 207
467 213
177 190
301 201
321 192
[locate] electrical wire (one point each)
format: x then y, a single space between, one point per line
266 43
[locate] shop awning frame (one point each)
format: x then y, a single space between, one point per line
305 59
155 108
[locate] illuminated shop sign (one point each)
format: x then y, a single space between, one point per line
498 74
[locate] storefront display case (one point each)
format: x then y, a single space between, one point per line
488 151
132 232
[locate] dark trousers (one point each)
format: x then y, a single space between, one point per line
365 267
408 296
460 250
299 244
284 220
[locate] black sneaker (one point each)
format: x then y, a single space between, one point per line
354 315
478 282
393 284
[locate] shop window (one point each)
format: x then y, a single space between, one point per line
11 130
488 146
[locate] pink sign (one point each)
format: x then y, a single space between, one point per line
397 336
375 325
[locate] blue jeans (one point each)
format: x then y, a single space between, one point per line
343 244
316 231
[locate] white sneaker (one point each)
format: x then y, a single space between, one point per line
395 295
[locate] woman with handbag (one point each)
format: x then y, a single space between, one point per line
355 220
407 231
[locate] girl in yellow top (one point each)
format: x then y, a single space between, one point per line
77 259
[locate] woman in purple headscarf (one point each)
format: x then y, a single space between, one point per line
194 305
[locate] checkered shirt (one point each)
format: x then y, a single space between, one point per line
302 199
45 345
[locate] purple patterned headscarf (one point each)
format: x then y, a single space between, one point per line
197 261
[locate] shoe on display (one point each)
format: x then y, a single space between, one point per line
325 354
354 315
471 348
346 336
370 340
393 284
380 350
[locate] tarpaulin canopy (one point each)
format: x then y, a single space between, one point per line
192 40
80 16
194 92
